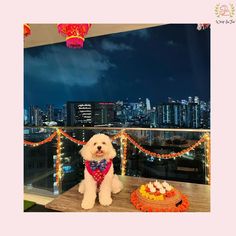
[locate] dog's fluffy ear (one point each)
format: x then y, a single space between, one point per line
86 152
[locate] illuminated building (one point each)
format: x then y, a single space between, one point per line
35 116
104 113
50 113
79 113
90 113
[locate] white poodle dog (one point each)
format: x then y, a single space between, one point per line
99 172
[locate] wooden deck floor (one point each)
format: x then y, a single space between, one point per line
70 201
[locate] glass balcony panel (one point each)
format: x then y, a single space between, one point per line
39 161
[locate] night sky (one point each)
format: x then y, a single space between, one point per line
156 63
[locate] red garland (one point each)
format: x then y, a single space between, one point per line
49 139
74 34
72 139
166 156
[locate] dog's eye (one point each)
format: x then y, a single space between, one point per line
95 144
103 143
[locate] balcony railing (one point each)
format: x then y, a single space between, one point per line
52 163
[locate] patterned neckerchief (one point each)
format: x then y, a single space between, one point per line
98 169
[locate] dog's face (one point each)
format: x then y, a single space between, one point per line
97 148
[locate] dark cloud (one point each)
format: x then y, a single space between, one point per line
69 67
158 62
171 79
143 34
170 42
110 46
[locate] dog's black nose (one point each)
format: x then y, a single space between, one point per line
99 147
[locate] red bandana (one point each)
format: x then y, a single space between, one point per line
98 169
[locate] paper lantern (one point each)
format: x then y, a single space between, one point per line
74 34
27 30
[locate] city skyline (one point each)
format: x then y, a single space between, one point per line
157 63
42 106
187 113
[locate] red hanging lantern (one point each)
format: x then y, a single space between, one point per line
74 34
27 30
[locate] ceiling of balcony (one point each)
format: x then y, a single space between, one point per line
44 34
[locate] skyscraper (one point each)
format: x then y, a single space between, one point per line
50 113
169 100
205 115
193 115
104 113
148 104
90 113
58 114
26 117
35 116
170 115
184 114
153 119
79 113
190 99
196 100
64 113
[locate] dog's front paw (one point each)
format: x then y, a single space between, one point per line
87 204
105 201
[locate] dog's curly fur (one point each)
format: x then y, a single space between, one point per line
111 182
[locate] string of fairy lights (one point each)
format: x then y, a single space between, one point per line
123 151
124 138
208 156
59 158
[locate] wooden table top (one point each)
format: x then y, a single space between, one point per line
70 201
